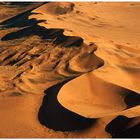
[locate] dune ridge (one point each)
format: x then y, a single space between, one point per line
35 60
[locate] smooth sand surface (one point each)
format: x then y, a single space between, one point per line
70 70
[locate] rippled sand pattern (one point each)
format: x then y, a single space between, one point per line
56 83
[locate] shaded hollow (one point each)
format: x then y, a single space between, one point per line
29 27
132 99
117 128
21 20
133 132
53 115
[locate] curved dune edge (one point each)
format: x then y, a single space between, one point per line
53 115
30 74
93 97
56 8
116 39
46 57
129 127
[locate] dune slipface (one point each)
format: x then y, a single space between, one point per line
69 70
96 98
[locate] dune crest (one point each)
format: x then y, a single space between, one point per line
65 72
56 8
97 98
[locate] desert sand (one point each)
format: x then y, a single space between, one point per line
70 70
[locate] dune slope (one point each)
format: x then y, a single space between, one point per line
66 72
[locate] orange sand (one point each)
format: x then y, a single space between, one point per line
70 67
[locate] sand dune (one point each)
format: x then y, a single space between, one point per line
96 98
69 70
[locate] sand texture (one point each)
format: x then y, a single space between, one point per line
70 70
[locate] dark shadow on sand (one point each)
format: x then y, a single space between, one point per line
53 115
28 27
132 98
21 20
117 128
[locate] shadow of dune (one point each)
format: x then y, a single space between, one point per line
28 31
16 4
117 128
133 132
53 115
117 125
132 99
56 35
21 20
29 27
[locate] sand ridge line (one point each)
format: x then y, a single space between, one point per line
46 57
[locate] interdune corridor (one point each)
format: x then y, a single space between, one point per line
69 70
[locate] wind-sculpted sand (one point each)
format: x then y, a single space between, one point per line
69 72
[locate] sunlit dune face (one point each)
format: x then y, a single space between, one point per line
69 70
